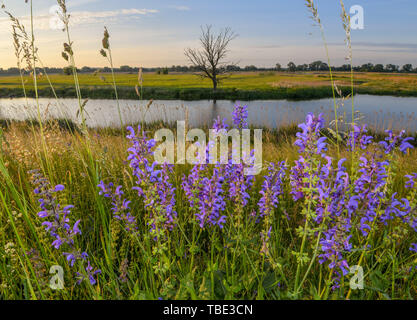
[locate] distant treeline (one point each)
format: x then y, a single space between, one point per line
291 67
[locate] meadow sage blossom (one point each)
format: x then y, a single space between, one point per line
411 180
272 189
308 171
220 124
240 116
208 190
396 141
314 180
358 137
206 196
369 188
120 206
238 184
411 206
59 226
309 140
337 213
158 194
152 184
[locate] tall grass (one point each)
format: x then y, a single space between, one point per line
108 55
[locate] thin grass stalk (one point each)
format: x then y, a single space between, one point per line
348 41
55 95
91 166
315 16
35 83
106 46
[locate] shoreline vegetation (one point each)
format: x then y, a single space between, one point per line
240 86
66 146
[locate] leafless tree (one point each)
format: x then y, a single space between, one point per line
210 59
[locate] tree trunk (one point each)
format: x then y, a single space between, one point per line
214 79
214 89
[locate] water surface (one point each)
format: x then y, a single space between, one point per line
379 112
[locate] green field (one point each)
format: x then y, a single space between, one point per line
249 85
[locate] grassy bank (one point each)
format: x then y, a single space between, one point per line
245 86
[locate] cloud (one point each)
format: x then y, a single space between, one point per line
77 3
47 21
182 8
266 46
83 17
386 45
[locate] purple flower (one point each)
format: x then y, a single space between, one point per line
152 184
90 272
220 124
309 139
359 138
59 187
58 224
412 180
240 116
206 196
271 188
396 141
238 183
120 206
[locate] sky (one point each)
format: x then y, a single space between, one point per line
151 33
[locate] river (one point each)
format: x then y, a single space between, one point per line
379 112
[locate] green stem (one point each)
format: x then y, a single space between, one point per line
299 263
115 91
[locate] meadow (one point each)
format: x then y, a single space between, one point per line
253 255
237 86
88 213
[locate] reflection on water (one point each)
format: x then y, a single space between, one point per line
379 112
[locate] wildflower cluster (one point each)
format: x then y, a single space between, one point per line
59 226
240 116
336 203
358 138
152 184
155 189
209 191
410 205
120 206
206 196
272 189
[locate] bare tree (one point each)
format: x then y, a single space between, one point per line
210 59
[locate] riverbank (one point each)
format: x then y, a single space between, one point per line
188 94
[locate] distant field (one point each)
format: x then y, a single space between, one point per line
258 84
